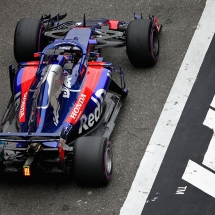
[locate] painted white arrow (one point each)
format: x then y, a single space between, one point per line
200 178
196 174
209 158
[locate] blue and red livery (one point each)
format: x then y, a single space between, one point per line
64 101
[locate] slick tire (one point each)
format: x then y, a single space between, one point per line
92 161
27 39
142 43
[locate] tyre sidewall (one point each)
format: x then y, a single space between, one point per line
107 174
139 43
27 39
89 161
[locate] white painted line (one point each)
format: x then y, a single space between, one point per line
209 158
210 119
200 178
213 102
171 113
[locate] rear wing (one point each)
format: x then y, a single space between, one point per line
29 137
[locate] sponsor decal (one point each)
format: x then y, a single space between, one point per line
88 122
68 85
66 90
66 131
22 108
92 78
22 84
78 106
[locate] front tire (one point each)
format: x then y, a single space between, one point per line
92 161
27 39
142 43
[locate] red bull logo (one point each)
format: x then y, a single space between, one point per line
88 122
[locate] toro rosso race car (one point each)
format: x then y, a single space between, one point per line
64 102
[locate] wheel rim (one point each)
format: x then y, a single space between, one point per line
108 161
155 42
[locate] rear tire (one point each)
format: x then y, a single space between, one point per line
27 39
92 161
142 43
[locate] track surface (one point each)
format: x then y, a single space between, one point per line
149 89
187 150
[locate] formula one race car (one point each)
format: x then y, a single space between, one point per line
64 102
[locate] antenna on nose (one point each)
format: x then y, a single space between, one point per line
84 21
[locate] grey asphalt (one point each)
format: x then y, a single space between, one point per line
148 91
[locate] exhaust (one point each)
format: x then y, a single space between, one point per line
33 148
